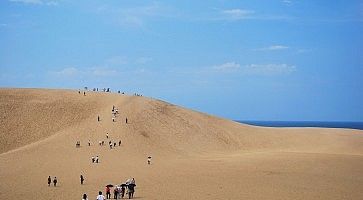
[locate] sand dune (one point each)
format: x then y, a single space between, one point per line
195 155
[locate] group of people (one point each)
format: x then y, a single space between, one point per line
94 159
55 181
118 191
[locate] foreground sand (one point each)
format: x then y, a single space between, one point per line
195 156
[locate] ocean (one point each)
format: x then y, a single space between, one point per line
322 124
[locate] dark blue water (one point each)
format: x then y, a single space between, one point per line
351 125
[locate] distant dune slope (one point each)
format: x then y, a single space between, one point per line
29 115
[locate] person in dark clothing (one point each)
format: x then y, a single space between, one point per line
82 179
49 180
126 120
55 181
122 191
119 143
131 190
98 118
115 193
108 193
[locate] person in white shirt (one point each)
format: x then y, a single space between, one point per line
100 196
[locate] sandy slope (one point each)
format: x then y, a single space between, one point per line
195 156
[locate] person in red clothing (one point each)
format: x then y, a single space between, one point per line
108 192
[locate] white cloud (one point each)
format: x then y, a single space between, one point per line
73 72
268 69
226 67
67 72
136 17
116 60
102 71
37 2
236 14
255 69
143 60
287 2
273 48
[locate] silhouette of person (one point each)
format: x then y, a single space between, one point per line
55 181
49 180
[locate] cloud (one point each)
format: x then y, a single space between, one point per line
73 72
67 72
143 60
236 14
255 69
273 48
37 2
287 2
227 67
136 17
268 69
116 60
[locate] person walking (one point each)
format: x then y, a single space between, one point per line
49 180
119 143
100 196
55 181
108 192
131 190
115 192
122 191
84 197
82 179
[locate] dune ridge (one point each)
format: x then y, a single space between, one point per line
39 129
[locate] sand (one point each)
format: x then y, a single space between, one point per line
194 155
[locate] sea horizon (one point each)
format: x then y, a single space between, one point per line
303 124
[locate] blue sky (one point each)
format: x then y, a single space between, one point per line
248 60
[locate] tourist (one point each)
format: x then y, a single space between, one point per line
108 192
119 143
84 197
49 180
55 181
115 192
82 179
122 191
100 196
131 190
